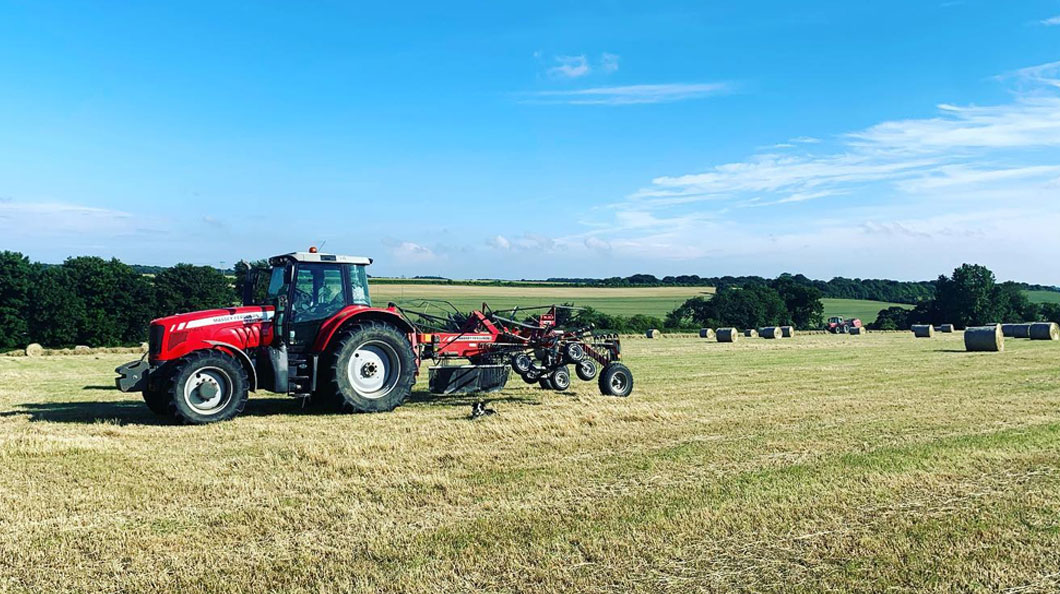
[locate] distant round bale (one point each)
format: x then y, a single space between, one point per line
1045 331
728 334
653 333
984 338
787 331
143 347
82 349
770 332
1016 330
857 331
750 333
945 328
706 333
34 350
923 330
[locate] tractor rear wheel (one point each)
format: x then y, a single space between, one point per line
207 386
374 367
616 380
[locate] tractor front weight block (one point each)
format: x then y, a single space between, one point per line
132 377
467 379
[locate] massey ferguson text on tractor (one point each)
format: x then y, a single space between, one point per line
316 335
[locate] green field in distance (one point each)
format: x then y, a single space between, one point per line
627 301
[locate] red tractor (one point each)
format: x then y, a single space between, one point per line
837 325
315 335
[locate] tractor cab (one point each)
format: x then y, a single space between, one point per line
306 289
835 320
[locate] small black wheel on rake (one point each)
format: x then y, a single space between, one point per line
574 352
521 363
560 379
586 370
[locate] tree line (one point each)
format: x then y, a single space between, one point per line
96 302
971 296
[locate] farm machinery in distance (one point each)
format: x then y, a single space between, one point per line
838 325
312 332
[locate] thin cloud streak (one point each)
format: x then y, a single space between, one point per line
633 94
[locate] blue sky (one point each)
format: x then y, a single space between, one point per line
540 139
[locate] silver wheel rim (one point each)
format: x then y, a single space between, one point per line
374 369
208 390
618 382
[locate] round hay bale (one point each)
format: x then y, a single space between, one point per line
1016 330
728 334
34 350
706 333
653 333
750 333
857 331
143 347
984 338
923 330
770 332
787 331
82 349
945 328
1045 331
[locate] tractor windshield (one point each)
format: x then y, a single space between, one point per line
277 284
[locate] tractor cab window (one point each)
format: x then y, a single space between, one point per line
359 286
277 284
318 292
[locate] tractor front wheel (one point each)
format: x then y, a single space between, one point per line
158 401
374 368
206 387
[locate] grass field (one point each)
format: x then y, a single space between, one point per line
873 463
1043 296
651 301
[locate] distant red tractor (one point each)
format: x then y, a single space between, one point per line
837 325
316 335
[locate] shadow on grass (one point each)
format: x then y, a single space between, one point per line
134 412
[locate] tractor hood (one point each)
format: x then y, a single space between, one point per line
214 317
241 328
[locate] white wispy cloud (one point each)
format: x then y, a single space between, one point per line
913 194
408 252
633 94
609 62
570 67
1052 21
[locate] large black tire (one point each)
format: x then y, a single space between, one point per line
206 387
586 370
159 401
616 380
373 368
546 383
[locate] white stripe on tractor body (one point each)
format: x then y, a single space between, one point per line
246 318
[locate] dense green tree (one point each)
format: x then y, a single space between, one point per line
1012 304
15 287
751 306
1049 312
56 312
185 288
892 318
118 302
802 300
967 298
